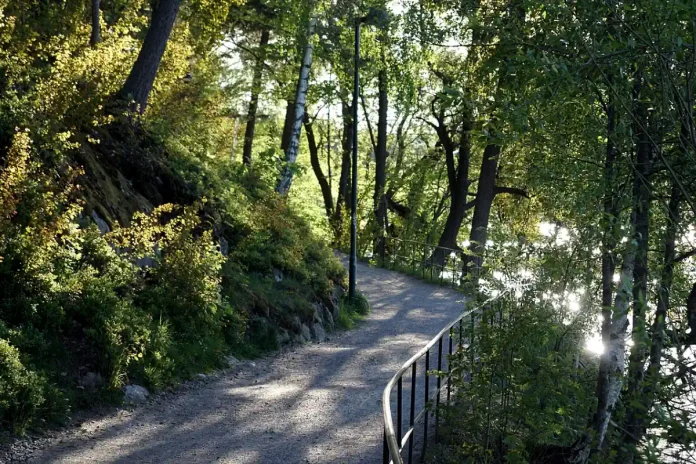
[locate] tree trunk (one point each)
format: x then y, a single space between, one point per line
95 37
485 194
254 100
458 193
142 76
380 199
639 350
316 167
613 361
343 197
291 152
609 242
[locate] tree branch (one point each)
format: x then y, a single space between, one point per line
510 190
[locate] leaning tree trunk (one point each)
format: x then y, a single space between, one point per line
291 152
95 37
316 167
254 100
613 361
380 199
142 76
485 193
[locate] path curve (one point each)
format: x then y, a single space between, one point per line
318 403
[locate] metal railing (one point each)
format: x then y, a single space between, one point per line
430 262
395 440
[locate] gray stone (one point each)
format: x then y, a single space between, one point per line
328 319
224 246
277 275
318 333
91 381
306 334
231 361
135 394
201 376
317 312
101 223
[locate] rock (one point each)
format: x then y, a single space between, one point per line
91 381
277 275
135 394
317 313
201 376
101 223
224 246
335 302
328 318
318 333
231 361
282 337
306 334
296 324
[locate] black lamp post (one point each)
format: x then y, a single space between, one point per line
352 267
379 18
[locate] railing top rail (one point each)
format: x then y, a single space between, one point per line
392 443
425 244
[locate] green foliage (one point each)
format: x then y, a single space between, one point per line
353 310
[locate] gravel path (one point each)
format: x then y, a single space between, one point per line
318 403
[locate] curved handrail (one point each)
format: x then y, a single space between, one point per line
390 435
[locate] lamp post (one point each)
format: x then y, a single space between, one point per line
352 267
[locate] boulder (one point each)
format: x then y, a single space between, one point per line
318 333
329 322
91 381
231 361
277 275
100 222
306 333
317 312
135 394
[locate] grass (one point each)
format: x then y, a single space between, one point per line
353 310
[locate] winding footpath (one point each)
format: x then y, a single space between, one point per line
317 403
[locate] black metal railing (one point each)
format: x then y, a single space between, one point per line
430 262
396 441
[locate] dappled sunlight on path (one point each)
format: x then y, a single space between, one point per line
317 403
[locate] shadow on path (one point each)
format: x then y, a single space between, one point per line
318 403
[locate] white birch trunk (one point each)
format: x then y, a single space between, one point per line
612 365
300 99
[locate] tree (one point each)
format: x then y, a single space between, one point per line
292 149
139 83
254 99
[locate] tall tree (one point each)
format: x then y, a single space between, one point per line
139 83
292 150
95 36
256 84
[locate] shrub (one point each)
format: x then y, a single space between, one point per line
21 390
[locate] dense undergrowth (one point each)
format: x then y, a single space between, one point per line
195 256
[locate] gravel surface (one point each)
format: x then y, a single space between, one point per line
317 403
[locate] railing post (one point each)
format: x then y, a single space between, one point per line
412 412
439 381
425 403
399 417
449 366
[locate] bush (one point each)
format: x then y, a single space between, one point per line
21 390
